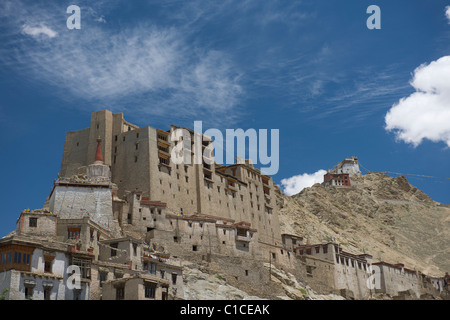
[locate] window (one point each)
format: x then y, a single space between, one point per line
150 290
84 265
76 294
120 293
194 248
164 293
113 249
103 276
152 268
47 292
17 257
164 161
33 222
28 292
241 232
73 233
48 266
174 278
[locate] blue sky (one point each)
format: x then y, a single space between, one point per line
311 69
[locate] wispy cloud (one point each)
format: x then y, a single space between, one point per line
37 31
447 13
141 67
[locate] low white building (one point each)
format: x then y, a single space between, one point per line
38 271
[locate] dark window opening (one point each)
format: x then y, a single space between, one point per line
33 222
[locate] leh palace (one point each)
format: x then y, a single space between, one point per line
123 221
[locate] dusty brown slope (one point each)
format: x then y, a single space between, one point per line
387 217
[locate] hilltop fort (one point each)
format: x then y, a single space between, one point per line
132 221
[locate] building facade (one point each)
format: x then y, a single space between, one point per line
124 217
140 160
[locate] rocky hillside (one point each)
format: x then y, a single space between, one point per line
385 216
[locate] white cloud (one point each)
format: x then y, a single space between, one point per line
101 19
447 13
295 184
142 67
425 114
37 31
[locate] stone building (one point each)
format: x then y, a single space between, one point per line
348 165
126 216
329 269
337 179
76 232
395 279
342 173
140 159
35 267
